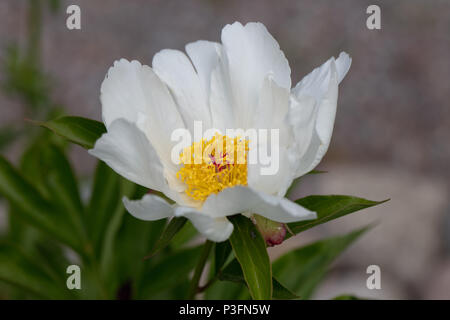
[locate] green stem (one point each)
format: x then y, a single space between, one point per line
193 289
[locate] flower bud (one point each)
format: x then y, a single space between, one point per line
273 232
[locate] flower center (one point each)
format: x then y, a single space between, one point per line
213 165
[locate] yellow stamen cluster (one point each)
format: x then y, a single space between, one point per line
213 165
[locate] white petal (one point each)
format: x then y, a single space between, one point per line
322 85
127 151
205 57
123 92
252 54
134 92
176 70
273 104
221 99
323 129
158 131
272 172
312 157
343 63
149 208
274 177
241 199
208 59
301 118
327 109
214 228
316 83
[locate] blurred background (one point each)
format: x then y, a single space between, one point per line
392 130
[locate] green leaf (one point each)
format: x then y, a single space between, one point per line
34 207
233 273
227 290
46 167
329 208
168 272
186 234
18 269
113 239
221 253
169 232
104 204
39 167
305 267
81 131
134 239
280 292
62 187
250 250
62 182
120 240
317 172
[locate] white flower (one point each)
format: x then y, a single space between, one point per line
242 83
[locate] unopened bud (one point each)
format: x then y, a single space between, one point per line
273 232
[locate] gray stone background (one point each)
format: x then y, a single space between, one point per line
391 137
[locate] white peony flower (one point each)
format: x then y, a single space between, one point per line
242 83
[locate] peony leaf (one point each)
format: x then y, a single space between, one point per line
62 188
104 204
78 130
328 208
168 272
19 269
169 232
113 231
222 251
227 290
36 209
250 250
133 240
233 273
